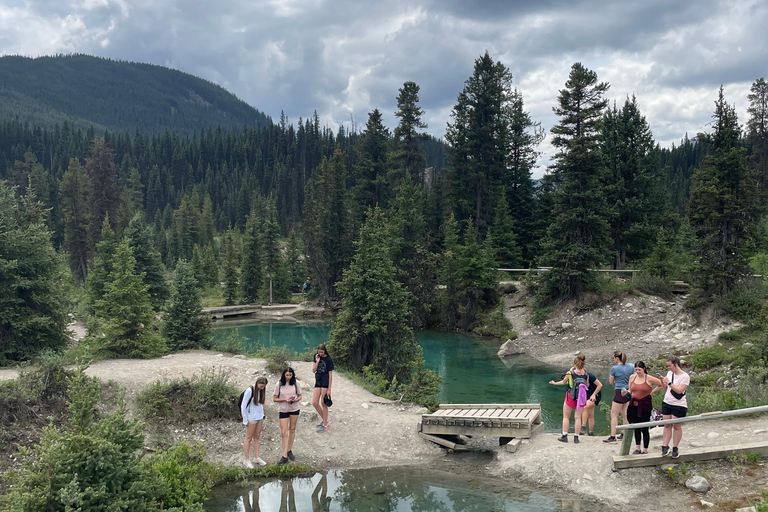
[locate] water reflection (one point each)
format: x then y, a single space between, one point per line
389 490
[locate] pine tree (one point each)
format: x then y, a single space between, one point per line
369 331
184 326
723 207
502 239
407 156
372 148
148 260
131 200
252 276
103 265
210 267
273 258
578 240
103 197
475 279
634 183
74 188
126 311
230 270
449 304
32 299
327 226
757 132
297 267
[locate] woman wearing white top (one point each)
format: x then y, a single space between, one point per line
252 410
675 404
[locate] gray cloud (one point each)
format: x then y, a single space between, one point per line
345 58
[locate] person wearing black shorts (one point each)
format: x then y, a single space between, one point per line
594 395
675 404
288 395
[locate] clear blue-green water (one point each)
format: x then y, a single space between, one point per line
387 489
471 371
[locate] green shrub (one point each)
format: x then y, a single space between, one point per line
494 323
709 357
277 356
714 399
745 303
232 343
206 396
185 479
652 285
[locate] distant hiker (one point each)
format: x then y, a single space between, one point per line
640 403
675 404
288 395
588 412
252 410
323 369
575 396
306 286
620 374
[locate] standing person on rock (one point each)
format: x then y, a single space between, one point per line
576 378
288 395
640 403
323 370
620 374
252 410
675 404
588 412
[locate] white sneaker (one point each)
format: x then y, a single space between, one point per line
259 461
249 464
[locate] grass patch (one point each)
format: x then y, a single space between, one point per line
206 396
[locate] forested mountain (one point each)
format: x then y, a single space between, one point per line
119 96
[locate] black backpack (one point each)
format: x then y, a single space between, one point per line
242 395
578 380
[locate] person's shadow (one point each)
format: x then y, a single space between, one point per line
320 501
287 497
247 505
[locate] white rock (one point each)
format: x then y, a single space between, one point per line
679 336
697 484
587 477
219 355
707 504
746 509
696 444
713 435
566 325
695 336
760 431
551 334
580 339
239 356
509 348
364 406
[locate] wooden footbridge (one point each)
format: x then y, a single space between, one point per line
509 422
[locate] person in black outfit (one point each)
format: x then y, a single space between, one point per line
323 369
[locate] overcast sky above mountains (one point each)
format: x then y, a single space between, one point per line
345 57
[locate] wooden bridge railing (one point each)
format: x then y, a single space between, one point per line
715 415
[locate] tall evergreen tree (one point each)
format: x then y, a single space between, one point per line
578 240
723 206
32 300
74 188
126 311
327 227
407 156
372 148
103 264
475 279
184 326
252 275
502 238
634 183
273 258
230 270
369 331
757 132
148 260
100 166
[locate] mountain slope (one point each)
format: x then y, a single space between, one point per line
119 96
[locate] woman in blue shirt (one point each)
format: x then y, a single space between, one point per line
620 374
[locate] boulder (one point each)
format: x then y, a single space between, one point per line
697 484
509 348
566 325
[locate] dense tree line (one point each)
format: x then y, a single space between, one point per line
246 215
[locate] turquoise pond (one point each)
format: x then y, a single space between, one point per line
388 489
471 371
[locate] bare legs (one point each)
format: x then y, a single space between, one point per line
673 432
588 415
288 432
617 408
317 402
252 433
567 419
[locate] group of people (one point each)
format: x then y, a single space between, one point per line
632 398
288 395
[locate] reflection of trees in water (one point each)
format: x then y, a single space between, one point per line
321 502
378 490
250 500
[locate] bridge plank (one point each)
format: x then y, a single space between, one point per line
708 453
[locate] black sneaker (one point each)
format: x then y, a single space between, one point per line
620 437
563 439
290 456
610 440
283 460
575 439
664 451
590 433
675 453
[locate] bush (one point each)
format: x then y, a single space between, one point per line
708 357
185 479
745 303
494 323
652 285
206 396
715 399
232 343
277 356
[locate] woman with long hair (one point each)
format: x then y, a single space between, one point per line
323 370
641 387
252 410
675 404
576 378
288 395
620 374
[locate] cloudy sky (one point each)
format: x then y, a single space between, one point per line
346 57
